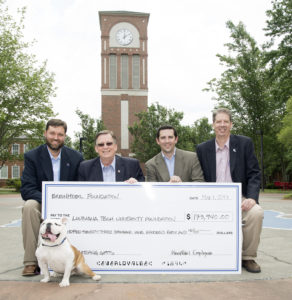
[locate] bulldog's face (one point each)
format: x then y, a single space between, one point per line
52 231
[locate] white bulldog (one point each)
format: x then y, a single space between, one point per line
55 251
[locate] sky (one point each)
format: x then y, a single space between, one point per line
183 39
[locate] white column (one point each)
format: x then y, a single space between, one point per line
104 70
143 70
124 124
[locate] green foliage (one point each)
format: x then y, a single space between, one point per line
246 88
144 131
278 57
203 131
270 186
256 84
14 183
68 141
285 138
288 197
243 87
35 139
279 23
279 28
285 134
89 128
25 87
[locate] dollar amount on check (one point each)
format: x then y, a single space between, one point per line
151 227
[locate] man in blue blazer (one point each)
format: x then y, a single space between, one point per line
109 166
49 162
231 158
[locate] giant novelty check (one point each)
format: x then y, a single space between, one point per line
151 227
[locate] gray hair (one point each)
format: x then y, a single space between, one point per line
222 110
106 132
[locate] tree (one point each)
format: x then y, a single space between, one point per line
25 86
279 28
245 88
144 131
285 135
203 131
68 141
89 128
279 61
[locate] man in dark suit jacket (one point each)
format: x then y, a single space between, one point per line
109 166
231 158
49 162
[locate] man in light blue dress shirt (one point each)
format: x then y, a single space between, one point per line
56 163
51 161
172 164
108 166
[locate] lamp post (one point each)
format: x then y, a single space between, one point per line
261 133
81 144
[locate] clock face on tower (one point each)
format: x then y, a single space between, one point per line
124 37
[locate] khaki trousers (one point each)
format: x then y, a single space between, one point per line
31 220
252 221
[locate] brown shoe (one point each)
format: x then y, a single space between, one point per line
251 266
31 270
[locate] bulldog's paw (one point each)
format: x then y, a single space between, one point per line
96 277
46 279
64 283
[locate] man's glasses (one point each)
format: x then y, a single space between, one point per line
107 144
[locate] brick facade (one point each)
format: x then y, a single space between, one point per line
137 99
11 163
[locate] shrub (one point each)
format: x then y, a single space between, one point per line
270 186
14 183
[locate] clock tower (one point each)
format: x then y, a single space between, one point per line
124 76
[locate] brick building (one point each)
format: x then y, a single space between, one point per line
13 169
124 73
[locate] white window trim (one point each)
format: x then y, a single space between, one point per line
18 171
1 170
18 146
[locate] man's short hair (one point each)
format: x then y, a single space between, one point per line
106 132
163 127
222 110
56 123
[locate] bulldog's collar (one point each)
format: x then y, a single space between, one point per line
55 245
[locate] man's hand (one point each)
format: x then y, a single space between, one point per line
131 180
247 204
175 179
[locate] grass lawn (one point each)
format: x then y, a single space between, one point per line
4 191
288 196
287 193
276 191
